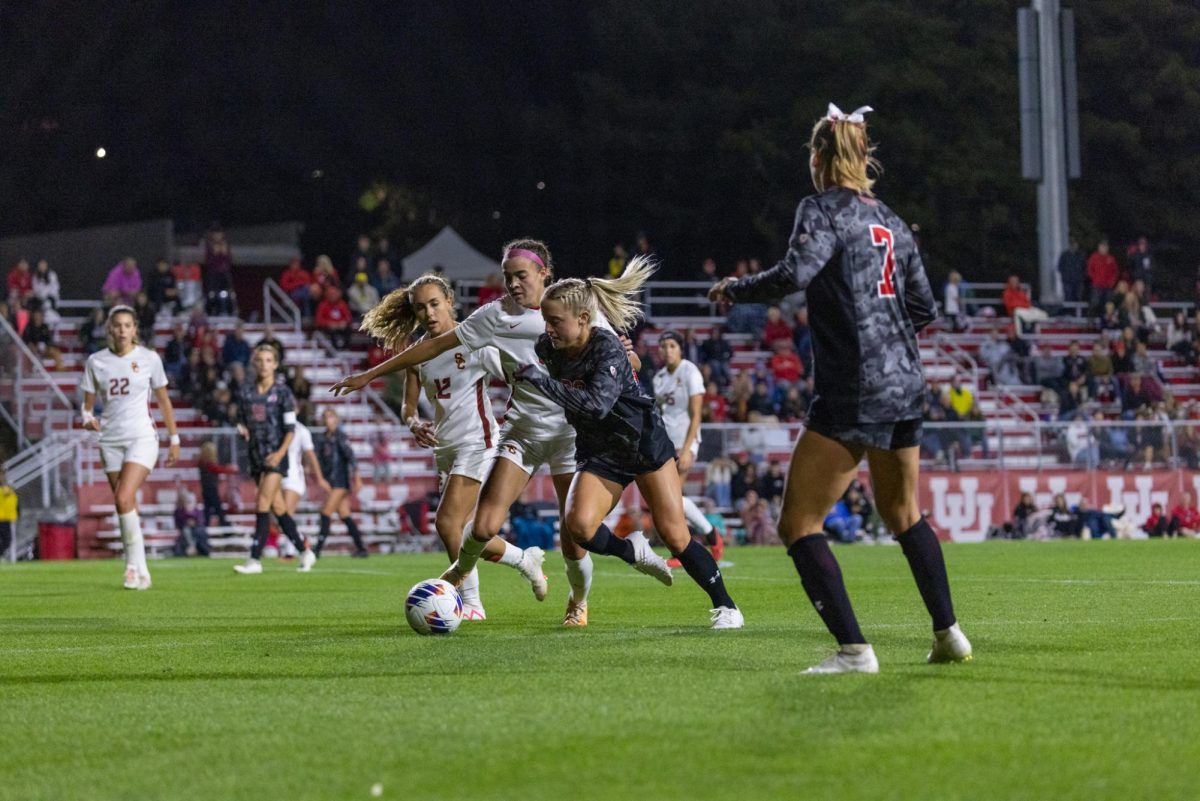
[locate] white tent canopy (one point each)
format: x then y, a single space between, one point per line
451 251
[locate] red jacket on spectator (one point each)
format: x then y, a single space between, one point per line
489 293
786 366
294 277
1015 298
718 407
1102 270
20 283
776 331
1187 518
333 314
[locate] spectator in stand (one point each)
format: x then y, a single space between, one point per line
1143 365
802 339
492 289
773 482
1114 441
269 338
361 296
1018 305
716 352
1136 396
211 471
93 333
952 301
776 329
385 279
708 271
147 317
324 277
235 348
123 283
187 279
218 274
1110 317
334 317
1102 272
175 354
297 283
794 406
690 347
1063 521
189 524
1094 523
162 289
301 386
714 407
385 253
760 403
1023 517
785 364
744 482
616 264
1072 398
961 397
841 524
235 378
1075 366
1141 262
39 336
20 284
1072 269
1185 517
1158 524
10 513
740 392
46 290
362 250
1100 369
718 478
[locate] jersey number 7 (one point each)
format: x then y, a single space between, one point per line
881 237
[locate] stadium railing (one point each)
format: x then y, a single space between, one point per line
30 399
44 477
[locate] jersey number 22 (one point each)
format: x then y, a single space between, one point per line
881 237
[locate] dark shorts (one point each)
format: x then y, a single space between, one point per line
258 467
622 467
882 436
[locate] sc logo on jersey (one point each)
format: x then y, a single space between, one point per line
460 361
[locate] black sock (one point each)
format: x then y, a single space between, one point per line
288 524
323 534
924 554
262 527
352 527
605 542
701 566
822 580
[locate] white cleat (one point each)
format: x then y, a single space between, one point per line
950 645
647 561
251 567
724 617
307 560
131 578
473 610
143 581
531 569
846 662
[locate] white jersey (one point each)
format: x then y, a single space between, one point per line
672 391
123 384
456 382
302 442
514 330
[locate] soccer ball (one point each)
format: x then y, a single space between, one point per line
433 607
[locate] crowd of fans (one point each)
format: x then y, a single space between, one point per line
1062 520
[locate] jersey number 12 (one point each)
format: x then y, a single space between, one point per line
881 237
442 387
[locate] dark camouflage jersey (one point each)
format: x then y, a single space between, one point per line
269 416
336 457
602 399
867 296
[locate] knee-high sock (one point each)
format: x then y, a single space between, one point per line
822 580
131 537
262 527
579 576
323 534
924 554
469 589
355 535
511 556
605 542
695 517
701 566
287 524
468 554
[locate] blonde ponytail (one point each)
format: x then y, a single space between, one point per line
844 155
615 298
393 319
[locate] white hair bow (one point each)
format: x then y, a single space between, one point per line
835 114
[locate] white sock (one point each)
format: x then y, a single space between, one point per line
579 576
695 517
512 555
469 589
131 537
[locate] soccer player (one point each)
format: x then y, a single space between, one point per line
868 296
463 432
679 390
301 454
123 376
620 437
534 433
267 421
340 469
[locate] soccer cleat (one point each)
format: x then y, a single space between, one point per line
724 617
647 561
361 553
307 560
131 578
846 662
531 569
576 616
252 566
473 610
452 575
143 581
950 645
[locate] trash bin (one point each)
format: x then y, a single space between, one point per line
56 540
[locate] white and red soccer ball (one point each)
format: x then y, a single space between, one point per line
433 606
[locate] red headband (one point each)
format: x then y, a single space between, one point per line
528 254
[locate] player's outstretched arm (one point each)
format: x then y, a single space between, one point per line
812 244
596 399
419 353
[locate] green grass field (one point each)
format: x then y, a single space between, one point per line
1086 683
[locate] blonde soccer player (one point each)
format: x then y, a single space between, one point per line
534 433
463 432
123 375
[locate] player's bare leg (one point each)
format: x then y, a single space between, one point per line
453 512
576 561
662 490
820 471
125 485
894 476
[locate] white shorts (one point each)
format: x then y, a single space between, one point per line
143 451
297 485
529 455
474 463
